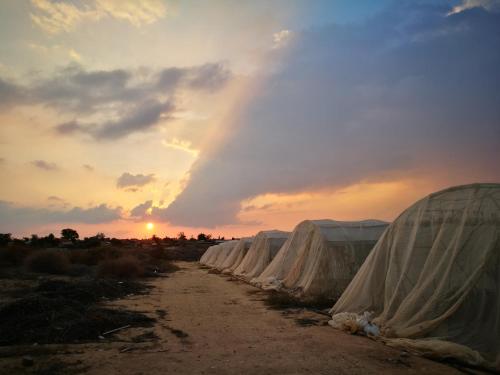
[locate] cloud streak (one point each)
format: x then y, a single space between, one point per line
115 103
44 165
129 180
14 217
55 17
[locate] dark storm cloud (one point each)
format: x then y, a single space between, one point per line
130 180
145 97
410 89
14 217
45 165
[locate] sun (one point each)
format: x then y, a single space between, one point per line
150 226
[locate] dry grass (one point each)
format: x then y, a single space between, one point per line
14 255
127 267
48 261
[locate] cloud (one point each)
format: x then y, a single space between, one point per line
56 49
47 166
138 13
115 103
142 209
88 167
408 90
281 38
10 93
55 17
468 4
141 118
55 201
130 180
54 198
178 144
15 217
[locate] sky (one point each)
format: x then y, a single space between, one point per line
230 117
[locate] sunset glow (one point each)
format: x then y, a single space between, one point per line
234 117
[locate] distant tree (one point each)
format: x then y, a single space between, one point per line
100 236
5 238
202 237
35 240
156 240
69 234
51 240
181 236
116 242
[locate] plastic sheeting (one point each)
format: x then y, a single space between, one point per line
220 251
236 256
265 246
226 251
433 279
209 253
321 257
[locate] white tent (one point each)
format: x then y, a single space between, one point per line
265 246
225 250
220 251
236 255
208 254
321 257
433 279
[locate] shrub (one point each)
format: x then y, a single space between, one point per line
121 268
48 261
90 257
14 255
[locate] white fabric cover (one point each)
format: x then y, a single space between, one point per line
265 246
236 256
208 253
433 279
321 257
226 249
220 250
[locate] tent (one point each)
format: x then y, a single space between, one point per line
433 279
220 251
208 253
223 253
321 257
261 253
236 256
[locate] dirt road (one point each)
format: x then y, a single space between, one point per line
208 324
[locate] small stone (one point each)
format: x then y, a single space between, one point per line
28 361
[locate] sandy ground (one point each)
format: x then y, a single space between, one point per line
214 325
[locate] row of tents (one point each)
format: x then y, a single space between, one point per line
429 281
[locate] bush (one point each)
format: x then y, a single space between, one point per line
48 261
121 268
90 257
14 255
